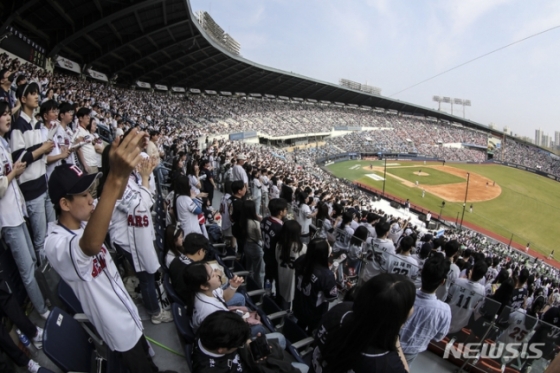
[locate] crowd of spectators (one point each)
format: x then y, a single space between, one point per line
528 156
262 187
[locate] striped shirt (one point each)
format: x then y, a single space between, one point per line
430 321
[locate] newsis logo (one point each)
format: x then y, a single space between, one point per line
507 351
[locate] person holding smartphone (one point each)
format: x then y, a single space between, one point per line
224 346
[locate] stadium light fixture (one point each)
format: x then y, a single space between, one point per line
465 103
447 100
438 100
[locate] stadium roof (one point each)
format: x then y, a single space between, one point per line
160 42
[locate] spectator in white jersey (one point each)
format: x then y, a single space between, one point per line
431 318
451 250
465 295
377 252
75 249
402 262
49 113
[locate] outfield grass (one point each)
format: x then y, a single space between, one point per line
529 205
434 177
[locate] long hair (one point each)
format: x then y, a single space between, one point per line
172 232
248 212
290 239
346 219
194 275
360 236
182 188
380 309
503 293
322 213
317 255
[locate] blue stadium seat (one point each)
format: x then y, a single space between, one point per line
67 296
170 291
182 323
66 343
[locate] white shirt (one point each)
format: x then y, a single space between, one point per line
187 215
465 296
377 251
98 285
132 229
238 173
452 275
91 157
303 219
12 204
205 306
403 265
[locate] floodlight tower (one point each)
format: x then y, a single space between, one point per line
457 101
465 103
447 100
438 100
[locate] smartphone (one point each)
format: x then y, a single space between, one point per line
259 348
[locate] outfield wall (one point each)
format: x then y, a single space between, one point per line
533 170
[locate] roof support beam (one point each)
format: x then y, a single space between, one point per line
17 14
98 6
164 4
232 75
93 42
152 41
130 42
115 31
179 59
159 50
87 29
56 6
139 21
32 28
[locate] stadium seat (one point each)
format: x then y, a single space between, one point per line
182 323
67 296
66 343
170 291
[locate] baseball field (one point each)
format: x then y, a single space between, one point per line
504 200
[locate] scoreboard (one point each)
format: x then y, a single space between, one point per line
22 46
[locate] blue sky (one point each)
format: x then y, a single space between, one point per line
393 44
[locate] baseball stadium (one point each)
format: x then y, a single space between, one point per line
507 203
170 205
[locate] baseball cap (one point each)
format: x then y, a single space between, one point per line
68 179
241 156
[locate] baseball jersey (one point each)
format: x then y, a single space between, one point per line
518 298
12 204
312 297
270 230
343 236
465 295
97 284
403 265
519 327
205 361
452 275
395 232
377 251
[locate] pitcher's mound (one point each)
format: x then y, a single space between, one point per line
418 173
